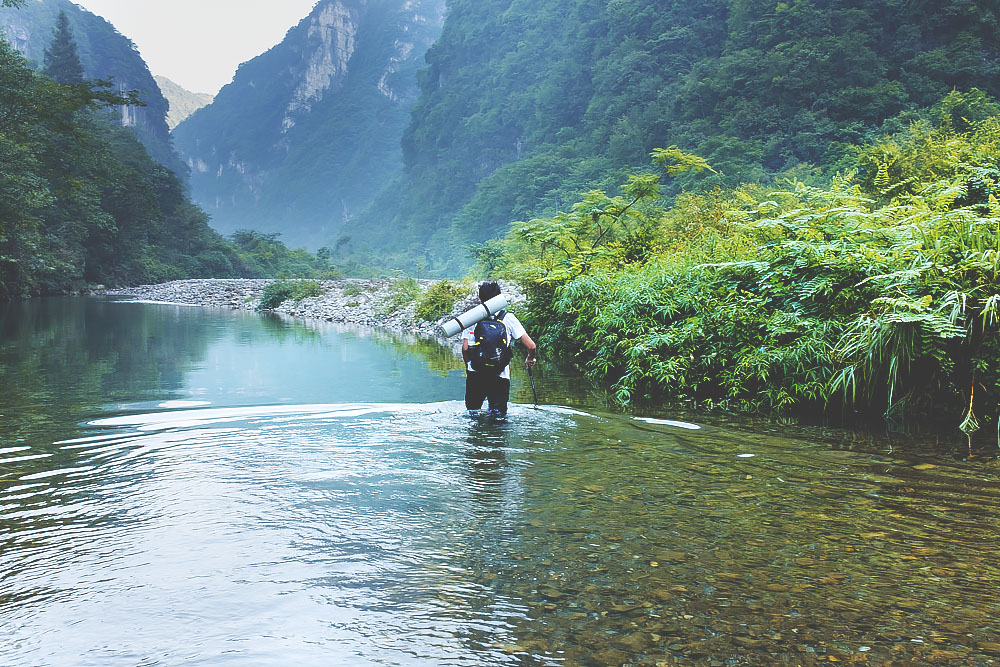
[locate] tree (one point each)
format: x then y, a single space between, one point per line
62 62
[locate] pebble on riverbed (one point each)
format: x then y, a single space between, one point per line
349 301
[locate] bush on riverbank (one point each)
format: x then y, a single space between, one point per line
877 292
403 291
439 299
280 291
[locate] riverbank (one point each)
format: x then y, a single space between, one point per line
369 303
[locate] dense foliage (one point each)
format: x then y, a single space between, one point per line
83 203
439 299
878 292
524 104
403 291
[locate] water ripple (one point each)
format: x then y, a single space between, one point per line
415 534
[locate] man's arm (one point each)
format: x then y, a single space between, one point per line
466 355
531 359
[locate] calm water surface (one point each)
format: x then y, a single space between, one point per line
183 486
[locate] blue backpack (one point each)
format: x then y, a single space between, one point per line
491 351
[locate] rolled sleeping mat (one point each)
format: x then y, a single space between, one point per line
470 317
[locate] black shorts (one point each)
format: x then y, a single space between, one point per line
480 386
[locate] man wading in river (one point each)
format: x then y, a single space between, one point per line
486 349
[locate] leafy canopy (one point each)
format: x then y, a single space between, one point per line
877 291
525 105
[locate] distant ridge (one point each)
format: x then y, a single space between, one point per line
182 102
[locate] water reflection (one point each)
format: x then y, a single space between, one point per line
486 463
61 357
418 534
260 492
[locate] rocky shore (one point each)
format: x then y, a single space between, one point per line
350 301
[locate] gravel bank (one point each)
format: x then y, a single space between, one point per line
351 301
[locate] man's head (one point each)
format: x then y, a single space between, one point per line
488 290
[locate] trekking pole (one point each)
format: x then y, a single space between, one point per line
533 393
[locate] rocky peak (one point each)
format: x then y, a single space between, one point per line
331 41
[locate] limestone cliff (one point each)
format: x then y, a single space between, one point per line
308 132
332 37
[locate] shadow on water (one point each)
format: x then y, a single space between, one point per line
183 486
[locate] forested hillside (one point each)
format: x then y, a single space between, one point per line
308 132
525 104
82 202
104 53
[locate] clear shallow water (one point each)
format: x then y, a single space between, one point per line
182 487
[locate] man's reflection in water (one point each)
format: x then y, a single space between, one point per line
486 462
494 499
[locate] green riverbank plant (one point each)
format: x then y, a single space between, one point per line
439 299
279 291
353 289
874 294
403 291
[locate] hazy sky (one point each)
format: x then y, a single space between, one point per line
199 43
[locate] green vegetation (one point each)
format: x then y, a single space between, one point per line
525 104
439 299
875 293
104 54
353 289
61 60
265 256
402 292
279 291
82 202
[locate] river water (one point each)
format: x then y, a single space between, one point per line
187 486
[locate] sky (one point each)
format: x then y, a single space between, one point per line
198 44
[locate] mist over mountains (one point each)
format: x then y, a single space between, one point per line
309 132
519 106
182 102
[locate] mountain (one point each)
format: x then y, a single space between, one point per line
105 54
182 102
308 132
524 104
82 202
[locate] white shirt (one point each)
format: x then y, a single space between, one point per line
514 332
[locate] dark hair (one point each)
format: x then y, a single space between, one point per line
488 290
